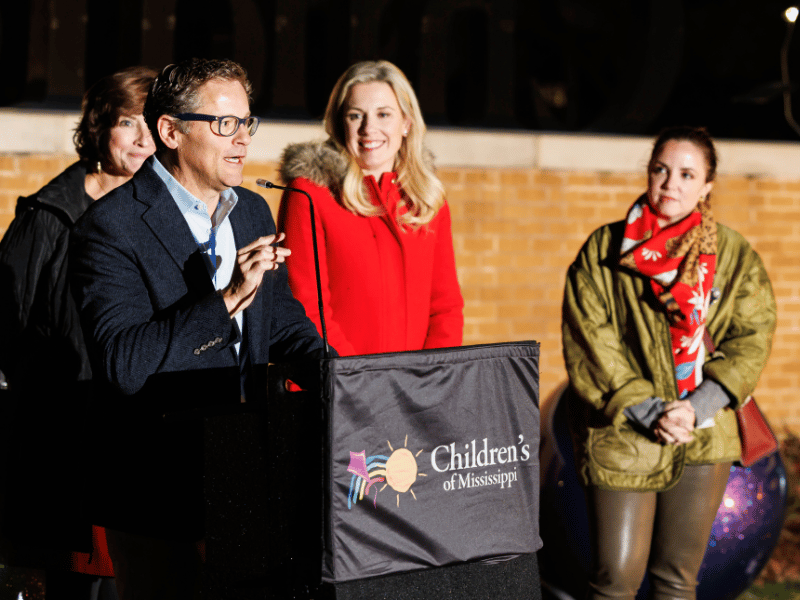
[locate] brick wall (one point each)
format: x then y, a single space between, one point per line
517 229
21 175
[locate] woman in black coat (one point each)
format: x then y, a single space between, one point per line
43 356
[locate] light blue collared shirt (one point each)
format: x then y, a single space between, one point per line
201 224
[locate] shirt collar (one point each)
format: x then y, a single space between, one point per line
188 203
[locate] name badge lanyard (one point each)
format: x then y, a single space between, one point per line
211 245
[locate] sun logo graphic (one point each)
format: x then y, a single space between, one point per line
399 471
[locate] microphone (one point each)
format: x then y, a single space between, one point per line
269 185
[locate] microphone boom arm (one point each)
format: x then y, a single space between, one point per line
268 184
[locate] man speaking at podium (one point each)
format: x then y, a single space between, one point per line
184 301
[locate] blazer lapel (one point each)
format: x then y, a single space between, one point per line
163 216
245 230
169 228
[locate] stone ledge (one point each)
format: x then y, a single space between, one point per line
30 131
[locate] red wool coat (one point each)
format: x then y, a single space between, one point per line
384 288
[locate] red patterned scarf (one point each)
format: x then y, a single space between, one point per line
680 260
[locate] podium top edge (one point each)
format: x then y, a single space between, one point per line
523 349
447 349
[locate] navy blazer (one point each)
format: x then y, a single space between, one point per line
161 342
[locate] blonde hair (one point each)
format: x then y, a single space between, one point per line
423 189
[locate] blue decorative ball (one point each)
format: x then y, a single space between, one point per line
743 536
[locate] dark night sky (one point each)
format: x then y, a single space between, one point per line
636 67
610 66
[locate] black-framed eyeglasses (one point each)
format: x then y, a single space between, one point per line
225 126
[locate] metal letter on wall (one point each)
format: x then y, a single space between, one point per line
66 53
288 87
158 32
250 41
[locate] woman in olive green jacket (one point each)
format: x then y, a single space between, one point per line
651 410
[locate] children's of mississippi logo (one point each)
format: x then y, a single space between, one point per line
398 470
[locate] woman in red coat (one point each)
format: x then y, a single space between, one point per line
386 248
387 267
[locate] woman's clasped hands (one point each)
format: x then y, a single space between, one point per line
676 423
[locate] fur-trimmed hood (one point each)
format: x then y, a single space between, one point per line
319 162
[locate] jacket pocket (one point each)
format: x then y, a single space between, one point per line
626 451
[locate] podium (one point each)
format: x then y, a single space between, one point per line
415 474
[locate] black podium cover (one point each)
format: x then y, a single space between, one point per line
433 458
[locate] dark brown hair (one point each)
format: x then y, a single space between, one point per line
176 89
698 136
122 93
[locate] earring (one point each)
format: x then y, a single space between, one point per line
99 167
